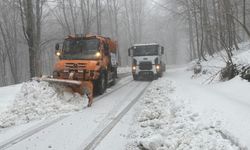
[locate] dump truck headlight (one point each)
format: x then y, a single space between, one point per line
157 67
134 68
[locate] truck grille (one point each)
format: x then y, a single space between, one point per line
145 65
146 73
75 66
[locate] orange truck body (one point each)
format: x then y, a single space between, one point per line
95 73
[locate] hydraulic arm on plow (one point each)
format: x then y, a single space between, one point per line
87 64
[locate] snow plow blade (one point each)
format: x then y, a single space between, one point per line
81 87
61 81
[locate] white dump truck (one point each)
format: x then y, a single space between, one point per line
147 61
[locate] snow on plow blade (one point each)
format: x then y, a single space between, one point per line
60 81
81 87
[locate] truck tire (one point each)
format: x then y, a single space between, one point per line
113 79
116 74
135 77
101 84
156 76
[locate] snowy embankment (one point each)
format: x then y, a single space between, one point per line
166 121
211 69
121 70
34 100
186 111
7 96
38 100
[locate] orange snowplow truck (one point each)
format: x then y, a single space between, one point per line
87 64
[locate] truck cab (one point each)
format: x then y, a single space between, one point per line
147 61
87 58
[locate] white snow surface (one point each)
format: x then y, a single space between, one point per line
166 121
37 100
121 70
212 67
186 111
8 94
179 111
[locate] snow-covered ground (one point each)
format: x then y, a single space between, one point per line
178 111
183 111
198 116
121 70
7 97
166 121
212 67
34 100
37 100
218 103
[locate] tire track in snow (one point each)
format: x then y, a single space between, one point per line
26 134
105 131
29 133
226 135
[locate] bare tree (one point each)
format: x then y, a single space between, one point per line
8 32
31 24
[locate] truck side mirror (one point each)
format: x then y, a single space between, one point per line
162 50
57 47
129 52
106 49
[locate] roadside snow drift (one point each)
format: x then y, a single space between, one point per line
212 67
166 122
121 70
38 100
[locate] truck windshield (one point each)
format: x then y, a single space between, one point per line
147 50
80 49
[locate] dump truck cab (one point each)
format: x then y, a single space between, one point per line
87 58
147 61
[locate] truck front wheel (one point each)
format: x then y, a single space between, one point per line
135 77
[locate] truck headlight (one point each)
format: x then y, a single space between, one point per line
158 67
58 53
98 54
134 68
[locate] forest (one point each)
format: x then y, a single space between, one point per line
188 29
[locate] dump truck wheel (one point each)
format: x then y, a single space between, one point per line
113 79
135 77
156 77
101 84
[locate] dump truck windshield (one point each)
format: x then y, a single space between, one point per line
147 50
80 49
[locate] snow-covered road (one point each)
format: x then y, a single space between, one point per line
175 112
227 104
79 129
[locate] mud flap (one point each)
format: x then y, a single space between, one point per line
87 88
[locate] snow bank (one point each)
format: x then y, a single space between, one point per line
212 67
6 99
165 121
37 100
121 70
